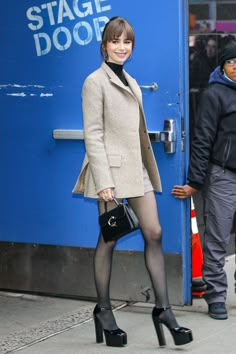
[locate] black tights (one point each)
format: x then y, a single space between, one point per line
146 210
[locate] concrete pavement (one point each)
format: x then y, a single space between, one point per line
36 324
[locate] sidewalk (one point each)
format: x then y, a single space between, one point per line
34 324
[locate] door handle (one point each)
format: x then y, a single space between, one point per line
152 87
167 136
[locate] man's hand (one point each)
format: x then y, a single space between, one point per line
183 192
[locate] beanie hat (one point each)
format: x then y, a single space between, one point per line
227 53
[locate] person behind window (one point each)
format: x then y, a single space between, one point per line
203 63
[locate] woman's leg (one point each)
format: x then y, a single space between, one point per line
102 273
146 210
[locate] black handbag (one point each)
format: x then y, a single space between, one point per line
117 222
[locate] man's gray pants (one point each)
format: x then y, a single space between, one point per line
219 196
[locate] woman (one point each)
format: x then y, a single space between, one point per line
120 162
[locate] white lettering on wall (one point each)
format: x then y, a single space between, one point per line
100 8
89 32
64 11
49 8
99 29
87 6
38 19
67 38
42 40
52 24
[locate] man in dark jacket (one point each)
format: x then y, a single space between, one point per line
212 169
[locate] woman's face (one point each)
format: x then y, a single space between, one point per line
119 49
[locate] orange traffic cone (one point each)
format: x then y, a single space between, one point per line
198 285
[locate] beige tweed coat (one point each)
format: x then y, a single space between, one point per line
116 137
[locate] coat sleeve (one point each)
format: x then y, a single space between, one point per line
92 106
204 135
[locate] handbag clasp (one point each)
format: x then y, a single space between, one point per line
112 221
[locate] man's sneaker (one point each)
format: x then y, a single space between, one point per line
218 311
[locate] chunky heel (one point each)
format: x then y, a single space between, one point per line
181 335
98 330
115 337
159 331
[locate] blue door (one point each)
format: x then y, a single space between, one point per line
48 50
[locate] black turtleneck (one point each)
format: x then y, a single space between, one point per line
118 70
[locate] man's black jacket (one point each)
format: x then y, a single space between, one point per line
214 135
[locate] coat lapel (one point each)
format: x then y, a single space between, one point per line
113 77
132 83
134 88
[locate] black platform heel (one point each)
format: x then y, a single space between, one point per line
181 335
115 337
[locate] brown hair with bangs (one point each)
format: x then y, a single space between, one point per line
113 30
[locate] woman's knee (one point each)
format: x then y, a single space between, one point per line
153 234
109 245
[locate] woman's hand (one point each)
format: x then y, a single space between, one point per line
107 194
183 192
